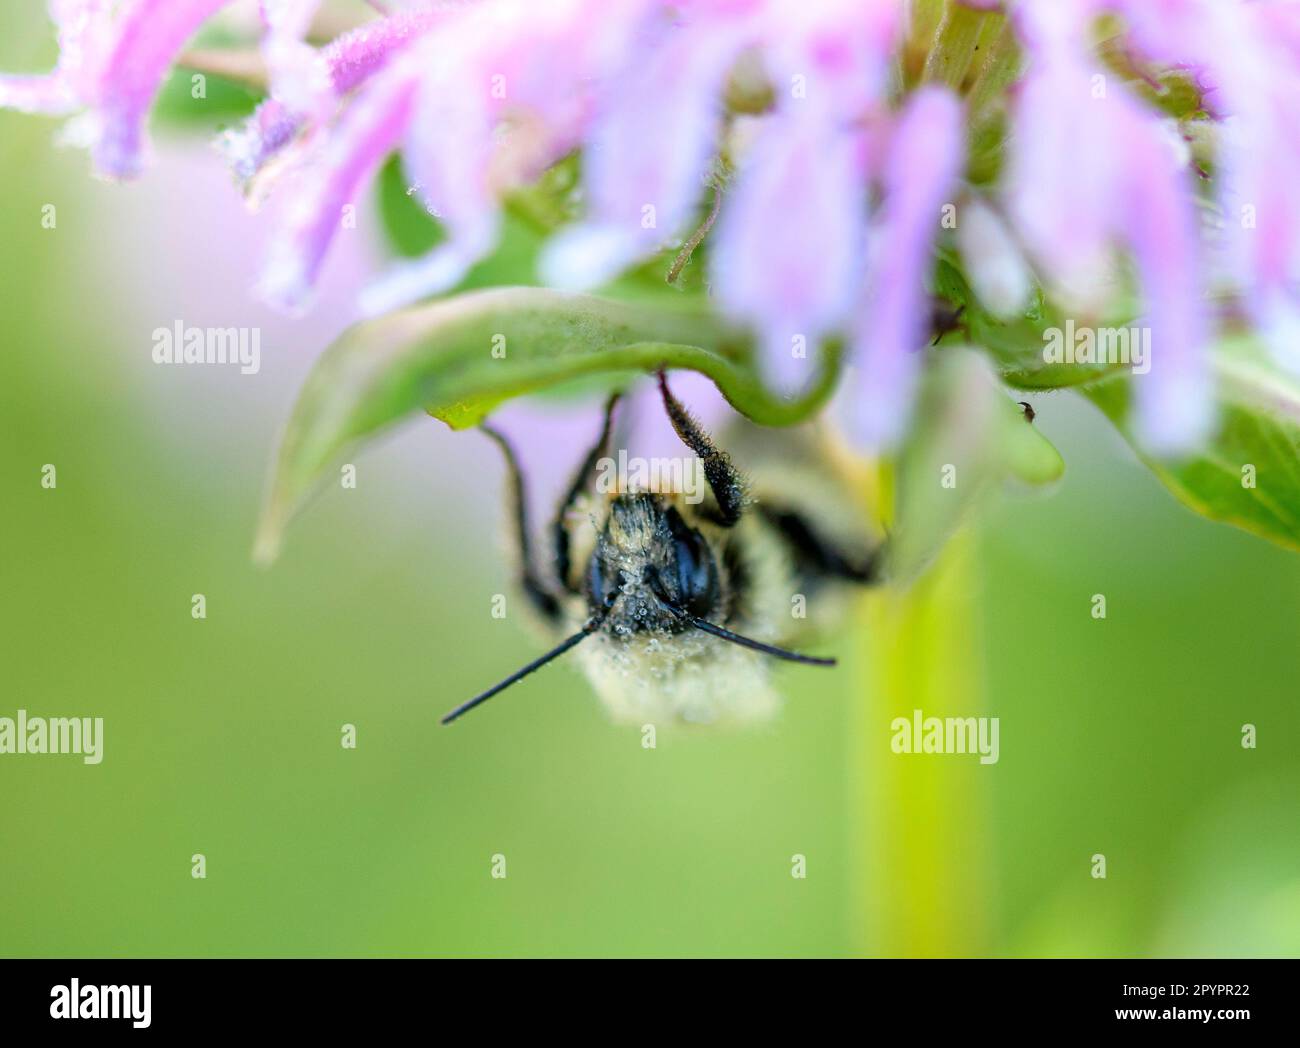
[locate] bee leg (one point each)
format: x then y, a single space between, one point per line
534 586
816 556
724 481
581 478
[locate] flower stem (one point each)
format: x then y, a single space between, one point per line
922 880
696 238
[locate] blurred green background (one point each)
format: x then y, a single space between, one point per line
222 736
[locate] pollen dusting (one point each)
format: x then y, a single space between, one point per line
688 678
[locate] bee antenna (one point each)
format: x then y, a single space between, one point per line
757 645
519 674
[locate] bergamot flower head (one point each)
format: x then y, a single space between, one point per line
1085 141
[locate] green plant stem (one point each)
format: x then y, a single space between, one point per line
922 880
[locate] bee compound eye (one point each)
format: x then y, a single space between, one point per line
596 588
696 573
603 587
699 581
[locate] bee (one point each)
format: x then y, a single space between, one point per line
677 606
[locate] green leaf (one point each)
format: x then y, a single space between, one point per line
530 214
225 102
969 437
410 229
533 211
459 358
1016 344
1259 407
234 81
1017 347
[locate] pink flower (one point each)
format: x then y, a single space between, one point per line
84 33
113 58
1090 169
834 172
111 63
790 248
652 134
1247 57
367 131
505 91
309 84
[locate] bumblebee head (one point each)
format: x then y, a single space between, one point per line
650 570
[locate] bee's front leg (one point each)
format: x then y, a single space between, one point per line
724 480
537 588
581 479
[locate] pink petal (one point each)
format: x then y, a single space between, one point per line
82 26
787 255
446 157
264 134
496 106
150 34
1250 53
1092 170
49 94
350 60
299 76
648 154
922 166
358 54
1174 398
1064 174
788 252
832 56
366 133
